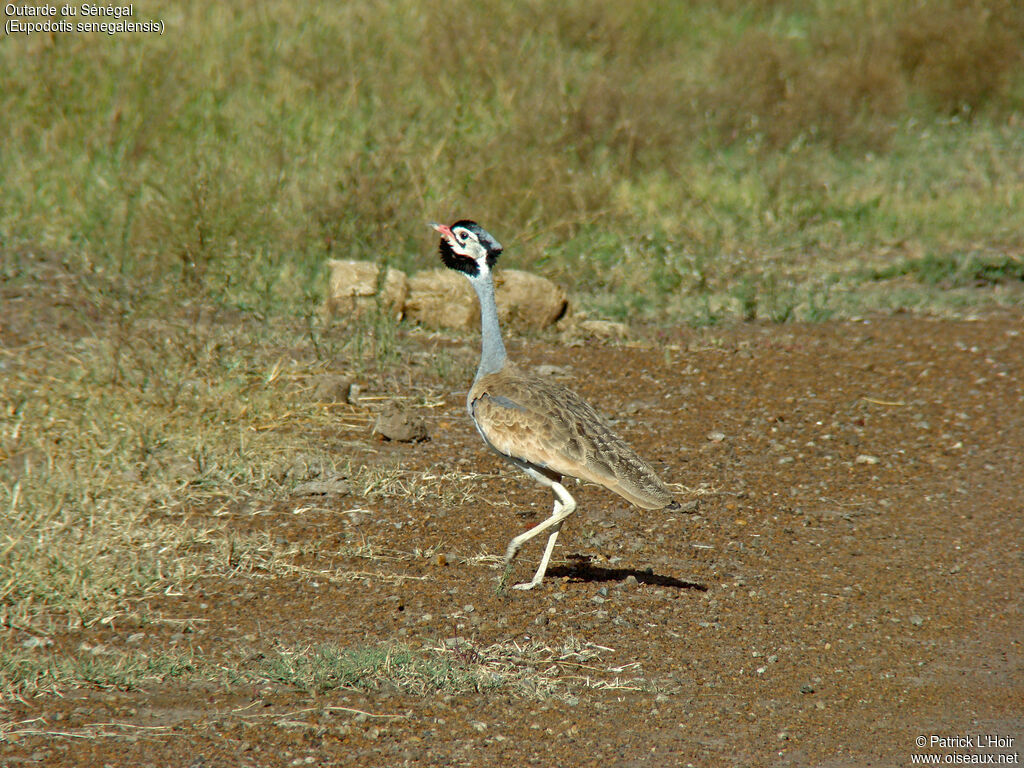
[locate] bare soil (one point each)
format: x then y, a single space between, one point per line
848 580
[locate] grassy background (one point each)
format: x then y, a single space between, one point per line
167 205
646 154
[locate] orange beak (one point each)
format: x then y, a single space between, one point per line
444 230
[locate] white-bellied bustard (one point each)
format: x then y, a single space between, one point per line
543 428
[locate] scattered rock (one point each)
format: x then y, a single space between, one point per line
526 300
865 458
440 298
547 369
301 467
336 485
353 288
332 388
716 436
600 329
916 620
400 424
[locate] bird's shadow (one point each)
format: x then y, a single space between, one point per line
582 570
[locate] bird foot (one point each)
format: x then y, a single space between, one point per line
502 585
526 585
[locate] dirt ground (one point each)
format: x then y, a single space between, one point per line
847 582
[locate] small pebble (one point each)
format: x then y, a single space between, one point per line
400 424
332 388
546 369
336 485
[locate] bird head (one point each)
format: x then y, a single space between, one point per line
467 247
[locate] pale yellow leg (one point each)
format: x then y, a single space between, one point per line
565 505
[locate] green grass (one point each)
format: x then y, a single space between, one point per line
530 669
957 269
621 148
325 668
27 673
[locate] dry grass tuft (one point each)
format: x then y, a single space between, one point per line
261 144
851 76
962 54
532 669
130 444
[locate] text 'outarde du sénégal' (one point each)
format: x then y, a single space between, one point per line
70 9
110 19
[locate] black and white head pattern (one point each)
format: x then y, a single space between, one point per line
466 246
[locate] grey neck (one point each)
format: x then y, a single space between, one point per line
492 353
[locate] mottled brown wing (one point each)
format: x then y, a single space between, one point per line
537 421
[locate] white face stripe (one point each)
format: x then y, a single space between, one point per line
462 235
467 243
